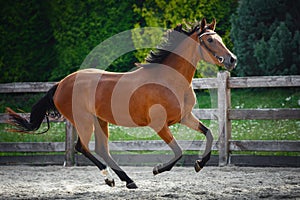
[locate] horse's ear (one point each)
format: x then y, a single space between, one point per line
212 26
202 24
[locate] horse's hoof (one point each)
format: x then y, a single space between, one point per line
110 183
131 185
158 169
197 166
155 170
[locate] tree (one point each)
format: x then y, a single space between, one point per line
266 37
49 39
167 14
80 27
26 41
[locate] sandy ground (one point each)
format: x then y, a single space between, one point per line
56 182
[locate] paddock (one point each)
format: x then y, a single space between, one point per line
224 114
230 182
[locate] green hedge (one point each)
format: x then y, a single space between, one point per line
46 40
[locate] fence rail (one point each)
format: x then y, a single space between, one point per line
154 145
224 114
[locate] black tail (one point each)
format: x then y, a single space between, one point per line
38 112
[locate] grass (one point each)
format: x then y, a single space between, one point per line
55 134
241 129
266 129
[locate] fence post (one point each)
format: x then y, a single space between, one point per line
224 103
70 145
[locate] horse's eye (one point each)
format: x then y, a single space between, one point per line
210 40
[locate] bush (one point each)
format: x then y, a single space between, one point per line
266 37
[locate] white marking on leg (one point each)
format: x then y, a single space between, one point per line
107 174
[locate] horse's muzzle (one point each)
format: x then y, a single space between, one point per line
230 62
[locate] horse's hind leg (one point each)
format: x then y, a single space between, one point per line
167 136
84 129
82 149
101 148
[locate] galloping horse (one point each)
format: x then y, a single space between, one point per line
157 94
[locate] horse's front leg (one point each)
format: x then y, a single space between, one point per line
167 136
192 122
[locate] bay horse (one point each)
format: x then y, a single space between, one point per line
157 94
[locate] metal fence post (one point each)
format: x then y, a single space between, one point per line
70 145
224 104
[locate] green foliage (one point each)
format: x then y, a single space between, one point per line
47 40
26 41
80 27
167 14
266 37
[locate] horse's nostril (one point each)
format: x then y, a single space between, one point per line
232 59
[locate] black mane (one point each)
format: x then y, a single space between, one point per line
171 40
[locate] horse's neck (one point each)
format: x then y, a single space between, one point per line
184 59
182 66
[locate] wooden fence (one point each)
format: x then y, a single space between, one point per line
224 114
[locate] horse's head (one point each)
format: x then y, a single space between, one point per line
212 48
